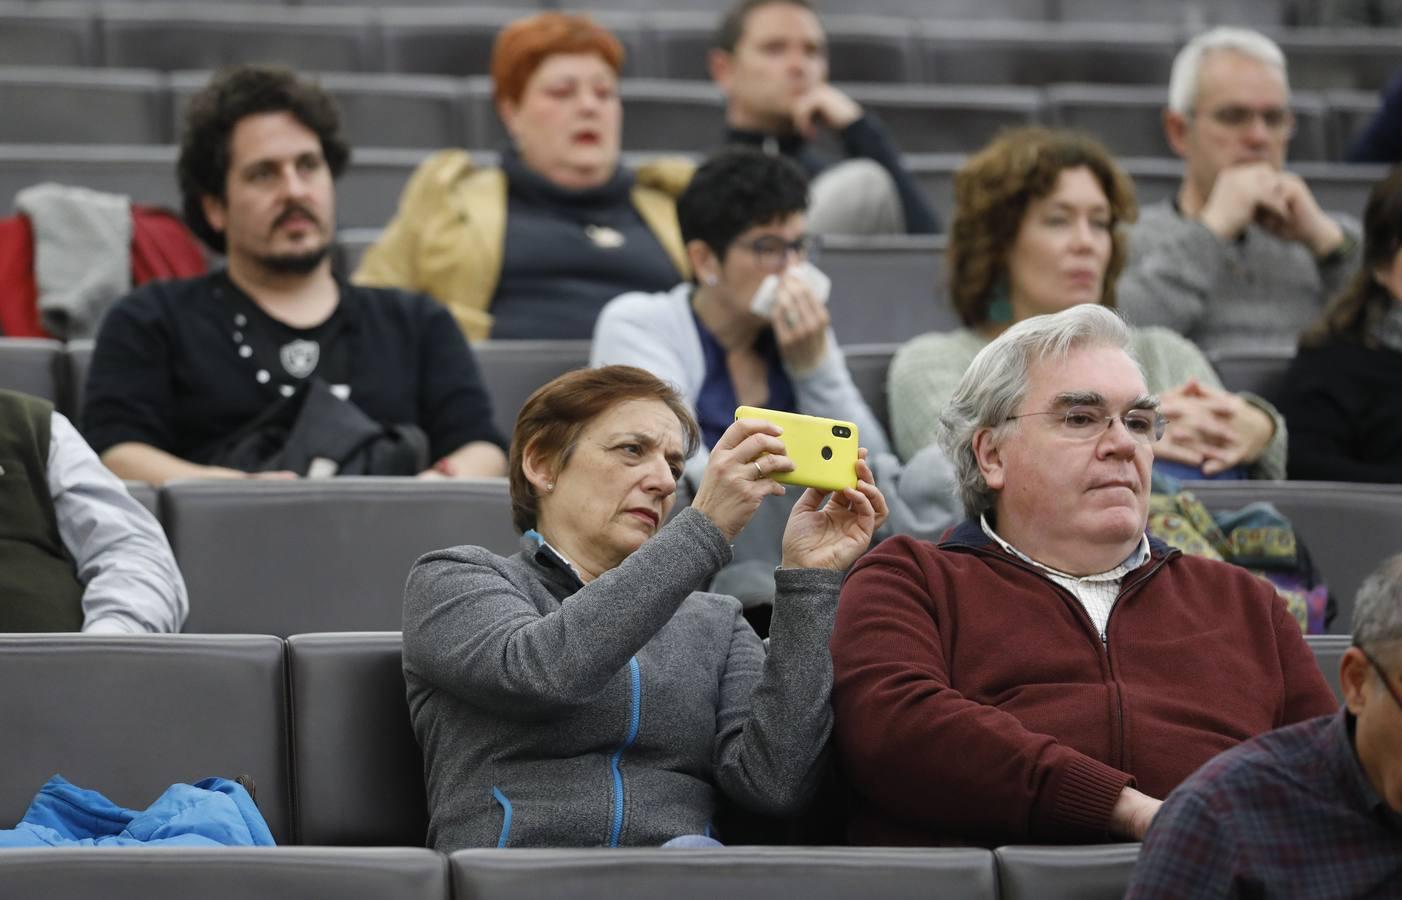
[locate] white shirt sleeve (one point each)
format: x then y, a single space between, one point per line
131 583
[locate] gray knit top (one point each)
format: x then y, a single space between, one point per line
554 713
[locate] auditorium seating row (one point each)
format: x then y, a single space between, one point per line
101 106
368 193
321 723
446 40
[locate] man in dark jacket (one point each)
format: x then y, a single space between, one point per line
770 59
1047 673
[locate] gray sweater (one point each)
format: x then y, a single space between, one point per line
555 713
1256 293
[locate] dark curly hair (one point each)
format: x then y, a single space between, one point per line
211 115
1357 310
735 190
992 191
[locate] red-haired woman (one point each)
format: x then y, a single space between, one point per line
536 247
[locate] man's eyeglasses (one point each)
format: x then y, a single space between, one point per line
1087 422
1381 674
1275 118
772 251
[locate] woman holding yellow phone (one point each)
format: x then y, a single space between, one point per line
751 330
587 691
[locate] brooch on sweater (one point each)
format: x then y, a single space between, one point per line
604 237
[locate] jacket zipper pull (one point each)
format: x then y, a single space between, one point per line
1105 640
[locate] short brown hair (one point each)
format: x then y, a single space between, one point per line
552 418
732 25
1357 310
523 45
992 191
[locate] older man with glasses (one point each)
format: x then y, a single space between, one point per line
1047 673
1314 809
1242 257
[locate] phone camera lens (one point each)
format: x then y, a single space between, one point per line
827 453
841 431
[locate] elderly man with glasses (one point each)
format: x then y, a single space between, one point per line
1242 258
1046 673
1314 809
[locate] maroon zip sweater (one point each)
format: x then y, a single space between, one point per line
975 703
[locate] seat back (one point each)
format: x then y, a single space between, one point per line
359 769
1260 372
736 873
89 106
886 289
129 716
512 370
1065 873
947 119
224 873
48 34
1349 529
868 364
303 556
1328 650
33 366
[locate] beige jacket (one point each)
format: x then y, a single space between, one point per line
448 236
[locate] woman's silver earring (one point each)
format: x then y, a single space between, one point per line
710 280
549 487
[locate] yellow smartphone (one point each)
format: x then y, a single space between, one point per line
824 451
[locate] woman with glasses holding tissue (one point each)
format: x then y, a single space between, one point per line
751 329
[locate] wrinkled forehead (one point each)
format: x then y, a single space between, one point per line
1228 77
1095 375
649 421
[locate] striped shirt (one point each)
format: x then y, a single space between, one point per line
1096 593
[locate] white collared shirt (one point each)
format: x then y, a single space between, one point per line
1096 593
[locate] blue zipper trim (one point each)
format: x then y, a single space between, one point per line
634 715
499 797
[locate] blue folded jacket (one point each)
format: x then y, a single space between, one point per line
214 812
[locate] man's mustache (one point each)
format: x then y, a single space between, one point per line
295 209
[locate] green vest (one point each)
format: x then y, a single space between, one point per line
39 590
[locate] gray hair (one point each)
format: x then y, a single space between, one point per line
1377 611
996 382
1183 82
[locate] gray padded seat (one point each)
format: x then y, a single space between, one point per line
458 40
129 716
1328 650
736 873
352 244
93 106
1260 372
360 774
868 364
1065 873
1349 529
225 873
146 174
1158 12
367 195
176 36
886 289
1356 59
301 556
1349 113
53 33
33 366
77 359
376 110
512 370
1037 54
934 172
959 119
1340 187
1155 178
146 495
860 48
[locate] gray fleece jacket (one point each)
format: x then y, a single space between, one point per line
554 713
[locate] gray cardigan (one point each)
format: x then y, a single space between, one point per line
555 713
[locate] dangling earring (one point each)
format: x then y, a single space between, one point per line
1000 306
